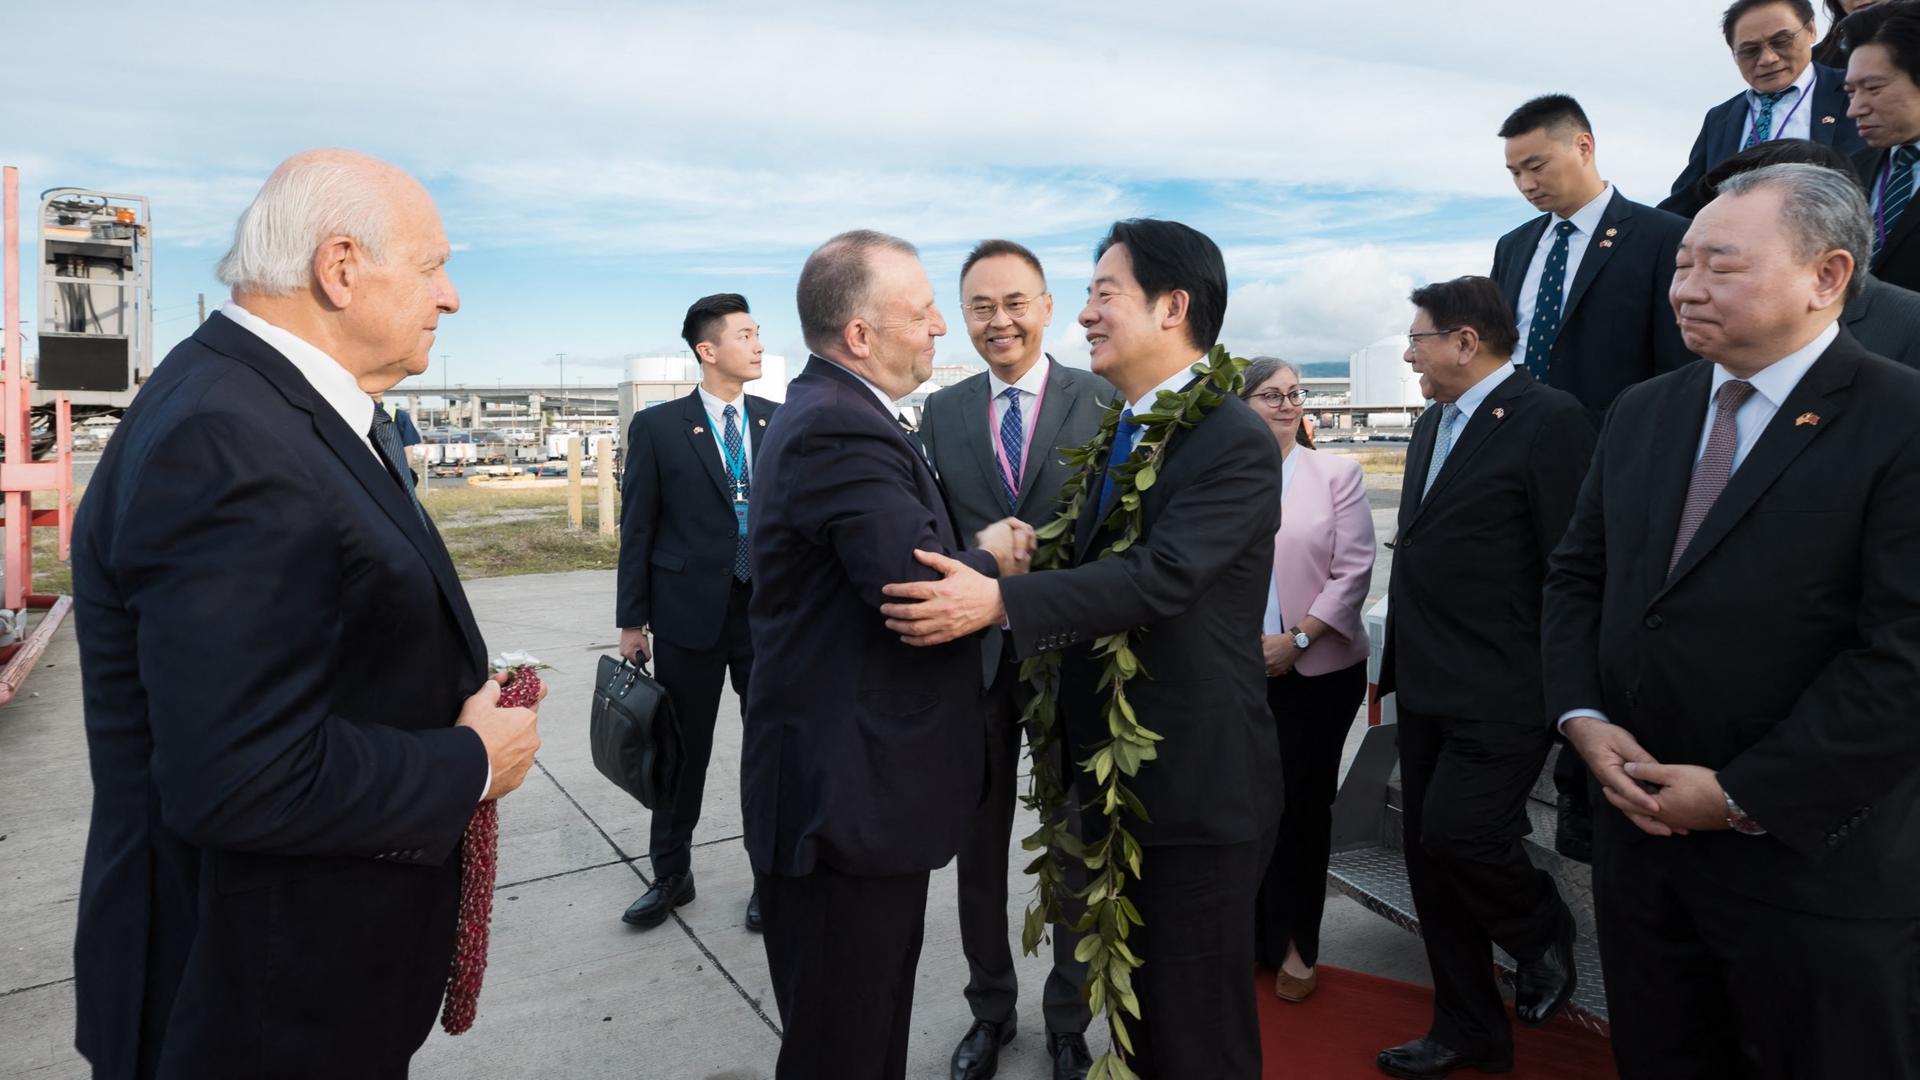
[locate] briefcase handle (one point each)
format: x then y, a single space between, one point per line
631 671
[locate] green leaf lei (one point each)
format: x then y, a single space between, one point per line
1108 917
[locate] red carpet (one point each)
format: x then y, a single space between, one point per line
1335 1034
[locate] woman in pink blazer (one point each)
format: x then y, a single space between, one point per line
1316 655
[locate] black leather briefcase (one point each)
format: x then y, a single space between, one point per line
635 735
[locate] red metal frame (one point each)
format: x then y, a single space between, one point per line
21 476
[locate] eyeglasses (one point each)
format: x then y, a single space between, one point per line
1433 333
1778 45
1015 308
1272 398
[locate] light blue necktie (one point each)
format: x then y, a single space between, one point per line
1546 304
1442 445
737 460
1013 442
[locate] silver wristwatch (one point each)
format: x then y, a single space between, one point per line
1738 821
1300 638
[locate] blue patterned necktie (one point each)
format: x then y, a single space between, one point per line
388 440
1546 303
1442 445
737 473
1897 194
1013 442
1123 438
1763 118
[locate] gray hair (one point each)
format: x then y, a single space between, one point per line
1262 368
1823 207
836 282
305 201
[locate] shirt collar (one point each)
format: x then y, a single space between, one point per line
717 405
1587 218
1478 392
335 384
1803 84
1175 384
864 381
1775 381
1030 383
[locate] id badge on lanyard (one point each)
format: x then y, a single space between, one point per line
740 507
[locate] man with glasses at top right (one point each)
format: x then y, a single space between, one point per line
1883 80
1788 96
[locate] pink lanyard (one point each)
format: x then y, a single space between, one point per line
1010 470
1780 125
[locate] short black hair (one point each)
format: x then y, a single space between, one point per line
1893 26
1471 301
1166 256
1802 10
1774 152
987 249
1546 111
707 315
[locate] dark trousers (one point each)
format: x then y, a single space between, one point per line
1200 1016
1313 714
992 987
693 679
1705 983
1464 786
842 952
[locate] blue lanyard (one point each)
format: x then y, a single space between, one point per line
736 466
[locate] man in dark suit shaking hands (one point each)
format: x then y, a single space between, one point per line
995 438
1491 476
1883 77
1195 583
864 760
286 741
1732 644
1788 96
689 480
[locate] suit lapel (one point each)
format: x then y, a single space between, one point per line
1829 105
353 451
1902 229
1486 419
1732 125
1524 246
1613 231
705 442
1820 393
1061 394
976 405
1675 440
758 414
1426 431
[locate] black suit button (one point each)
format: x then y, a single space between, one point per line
1833 838
1655 622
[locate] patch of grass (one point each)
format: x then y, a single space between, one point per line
1383 460
498 533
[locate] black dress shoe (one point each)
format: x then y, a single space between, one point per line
1542 987
978 1055
658 901
753 912
1573 828
1425 1059
1068 1049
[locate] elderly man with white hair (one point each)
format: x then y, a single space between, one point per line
1732 643
288 713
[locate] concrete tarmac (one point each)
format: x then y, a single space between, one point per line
571 992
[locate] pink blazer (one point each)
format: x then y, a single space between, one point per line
1323 557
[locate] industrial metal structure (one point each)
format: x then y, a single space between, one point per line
95 300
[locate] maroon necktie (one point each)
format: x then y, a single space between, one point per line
1715 466
479 862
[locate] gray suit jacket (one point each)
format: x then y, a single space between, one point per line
1886 319
957 427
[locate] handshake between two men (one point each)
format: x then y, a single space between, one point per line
962 600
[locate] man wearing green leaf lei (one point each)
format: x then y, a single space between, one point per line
1142 640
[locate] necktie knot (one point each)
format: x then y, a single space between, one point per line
1449 412
729 412
1566 228
1732 394
1012 394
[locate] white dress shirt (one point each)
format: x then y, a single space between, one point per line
1770 389
716 411
335 384
1175 383
1471 400
1586 221
1273 623
1798 125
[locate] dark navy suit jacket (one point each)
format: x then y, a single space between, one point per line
275 648
1898 261
861 754
1726 127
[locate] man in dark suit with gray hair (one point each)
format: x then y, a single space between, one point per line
995 438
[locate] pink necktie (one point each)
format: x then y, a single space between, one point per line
1715 466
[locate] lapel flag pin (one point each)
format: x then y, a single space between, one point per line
1826 120
1499 414
698 430
1606 243
1807 418
1613 232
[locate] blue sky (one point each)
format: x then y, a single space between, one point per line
600 165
